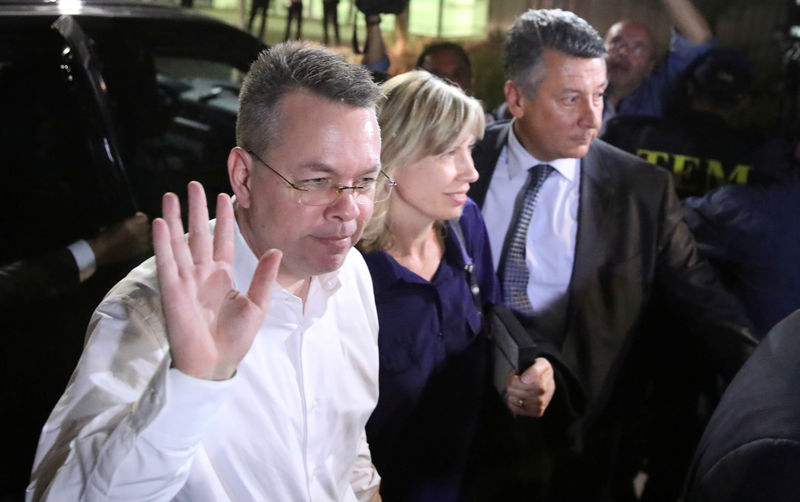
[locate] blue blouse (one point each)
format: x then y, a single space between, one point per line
432 368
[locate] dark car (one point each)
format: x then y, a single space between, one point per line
104 107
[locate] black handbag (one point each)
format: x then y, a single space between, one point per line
513 347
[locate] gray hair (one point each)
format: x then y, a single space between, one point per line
296 66
538 30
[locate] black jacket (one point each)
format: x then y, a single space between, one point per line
750 450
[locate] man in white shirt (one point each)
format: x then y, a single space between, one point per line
191 389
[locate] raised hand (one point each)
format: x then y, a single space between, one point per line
531 392
210 325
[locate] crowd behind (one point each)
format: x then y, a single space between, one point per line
329 341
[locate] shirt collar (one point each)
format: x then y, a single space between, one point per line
520 160
386 271
245 261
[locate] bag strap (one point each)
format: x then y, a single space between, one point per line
469 267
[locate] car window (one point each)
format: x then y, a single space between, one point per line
175 95
212 82
52 188
170 87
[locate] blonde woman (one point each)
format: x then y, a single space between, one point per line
432 354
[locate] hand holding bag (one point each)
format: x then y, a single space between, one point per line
513 347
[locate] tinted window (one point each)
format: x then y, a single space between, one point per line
175 93
51 183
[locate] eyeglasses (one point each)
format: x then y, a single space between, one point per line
325 191
637 48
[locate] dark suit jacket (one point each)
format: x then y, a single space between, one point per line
40 277
632 243
750 450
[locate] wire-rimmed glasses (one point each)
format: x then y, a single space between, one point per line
325 191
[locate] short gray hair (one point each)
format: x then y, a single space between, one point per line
296 66
538 30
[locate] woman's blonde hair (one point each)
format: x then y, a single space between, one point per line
422 115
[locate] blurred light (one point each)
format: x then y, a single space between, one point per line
70 6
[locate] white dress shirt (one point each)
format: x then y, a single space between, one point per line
289 426
550 242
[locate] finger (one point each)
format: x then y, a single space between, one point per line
165 261
264 278
514 385
199 235
517 388
171 213
518 406
223 230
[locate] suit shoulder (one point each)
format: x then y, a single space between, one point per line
626 165
491 135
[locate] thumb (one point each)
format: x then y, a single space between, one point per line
536 372
530 375
264 277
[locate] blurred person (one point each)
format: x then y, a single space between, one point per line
330 16
448 60
261 6
433 375
605 237
375 57
638 84
295 11
750 451
200 364
60 271
750 233
696 139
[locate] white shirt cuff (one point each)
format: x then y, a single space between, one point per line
84 257
188 405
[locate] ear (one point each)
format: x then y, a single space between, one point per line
514 99
239 171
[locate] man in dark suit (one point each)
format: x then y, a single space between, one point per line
750 451
606 238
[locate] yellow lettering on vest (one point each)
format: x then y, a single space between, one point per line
653 156
714 172
739 174
683 165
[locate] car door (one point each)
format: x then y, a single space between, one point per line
173 88
60 176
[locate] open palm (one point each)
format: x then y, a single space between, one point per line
210 324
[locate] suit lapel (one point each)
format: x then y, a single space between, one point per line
485 155
596 197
